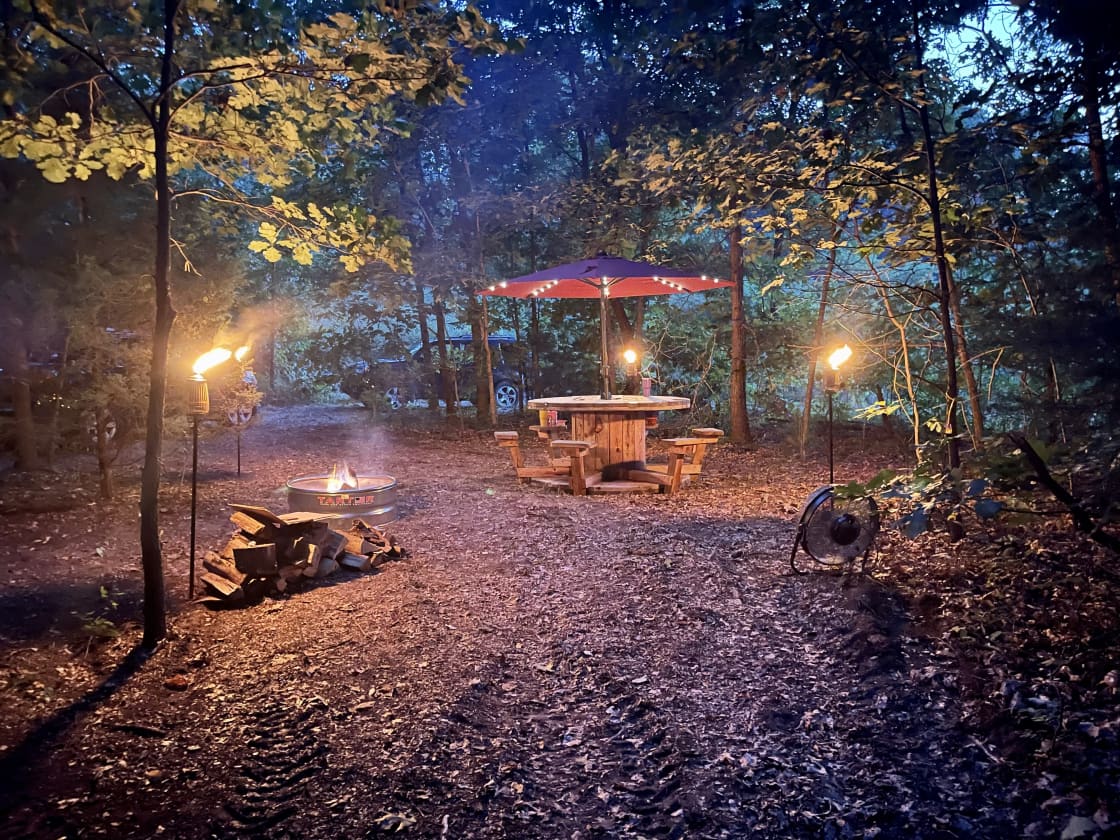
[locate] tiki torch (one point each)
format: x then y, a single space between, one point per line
198 406
832 384
630 357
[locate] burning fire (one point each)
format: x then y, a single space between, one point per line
241 352
210 358
840 356
341 477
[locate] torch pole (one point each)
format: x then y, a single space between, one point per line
194 501
604 343
831 475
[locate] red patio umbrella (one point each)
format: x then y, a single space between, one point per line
604 277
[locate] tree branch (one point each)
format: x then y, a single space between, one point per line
97 61
1081 517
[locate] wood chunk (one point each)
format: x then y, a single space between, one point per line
256 588
306 518
357 544
223 567
314 559
227 589
326 566
256 560
332 544
236 541
251 526
357 562
304 553
299 552
259 513
290 573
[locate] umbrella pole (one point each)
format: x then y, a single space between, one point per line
604 352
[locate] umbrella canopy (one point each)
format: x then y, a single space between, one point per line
604 277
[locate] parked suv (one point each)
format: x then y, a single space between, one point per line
400 381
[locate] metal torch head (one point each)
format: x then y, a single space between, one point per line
198 402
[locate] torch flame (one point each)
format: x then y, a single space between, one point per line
840 356
210 358
341 477
241 352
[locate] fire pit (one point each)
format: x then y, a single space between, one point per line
371 498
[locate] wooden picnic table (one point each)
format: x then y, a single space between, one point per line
617 430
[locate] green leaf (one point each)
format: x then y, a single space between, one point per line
54 170
302 254
881 479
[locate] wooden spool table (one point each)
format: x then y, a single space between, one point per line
617 428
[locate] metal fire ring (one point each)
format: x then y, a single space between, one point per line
373 500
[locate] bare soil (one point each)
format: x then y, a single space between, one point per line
547 666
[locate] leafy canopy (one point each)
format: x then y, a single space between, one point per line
259 102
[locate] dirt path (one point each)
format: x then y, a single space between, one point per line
539 666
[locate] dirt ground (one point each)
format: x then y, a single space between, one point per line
543 666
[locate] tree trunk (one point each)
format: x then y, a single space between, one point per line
944 277
740 422
14 360
485 409
975 406
104 455
485 403
534 315
425 332
900 326
446 377
151 552
1098 162
814 354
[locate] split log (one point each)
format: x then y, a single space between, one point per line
358 544
305 518
256 560
326 566
227 589
238 540
251 526
357 562
289 574
332 544
313 556
260 514
223 567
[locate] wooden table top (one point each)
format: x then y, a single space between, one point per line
619 403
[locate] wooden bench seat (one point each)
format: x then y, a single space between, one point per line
566 459
692 449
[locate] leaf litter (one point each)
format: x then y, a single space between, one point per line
547 666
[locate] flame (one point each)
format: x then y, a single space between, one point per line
629 356
840 356
340 477
241 352
210 358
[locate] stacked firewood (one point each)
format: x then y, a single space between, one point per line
275 553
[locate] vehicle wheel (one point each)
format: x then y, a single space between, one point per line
506 397
393 398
